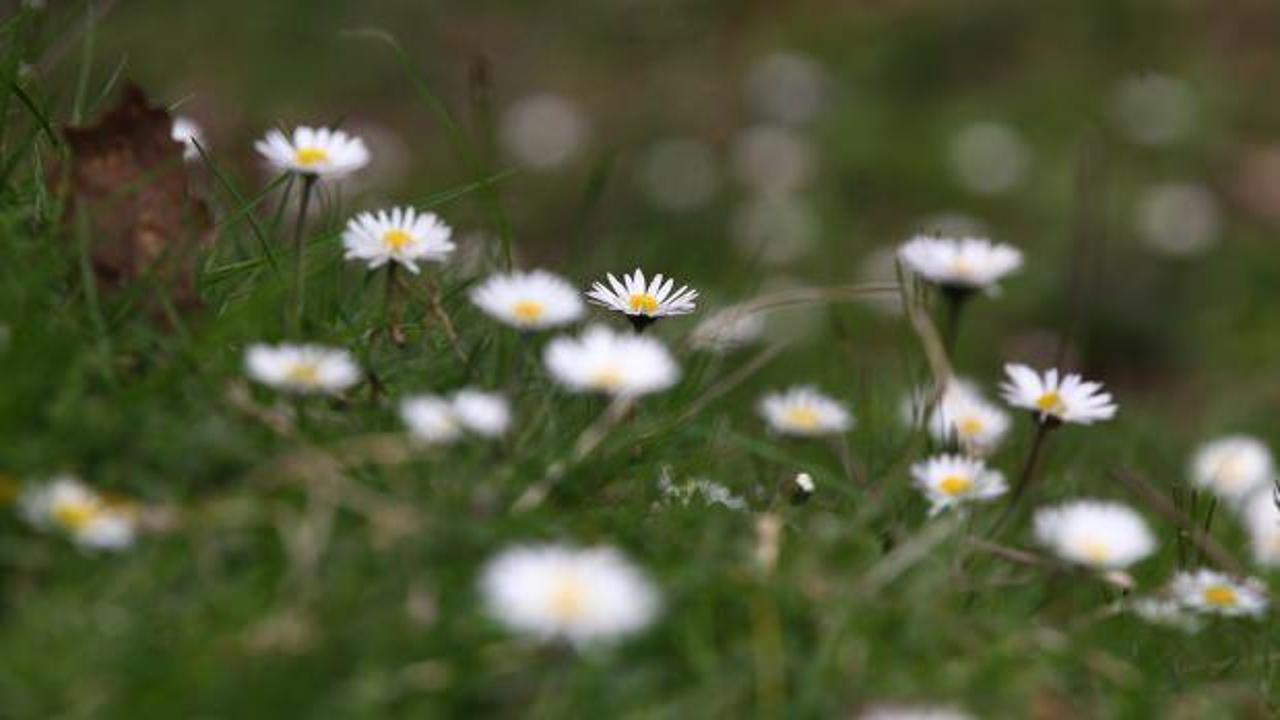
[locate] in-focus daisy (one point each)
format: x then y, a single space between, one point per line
618 364
483 413
964 418
319 152
188 132
1262 520
643 302
68 505
960 265
529 300
802 410
1233 467
558 592
402 235
950 480
302 368
1054 399
1096 534
1210 591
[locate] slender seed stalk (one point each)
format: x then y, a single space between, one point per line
1027 477
957 299
299 250
390 308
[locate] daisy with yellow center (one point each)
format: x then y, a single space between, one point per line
1215 593
804 411
643 301
1096 534
617 364
959 264
1233 467
317 152
1056 399
965 420
950 480
562 593
302 368
401 235
528 301
67 505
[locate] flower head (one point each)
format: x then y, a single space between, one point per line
802 410
68 505
1262 521
913 712
1068 399
437 420
727 330
319 152
401 235
643 302
188 132
484 413
1210 591
1165 611
558 592
950 480
601 360
1096 534
1233 467
529 300
302 368
963 264
430 419
965 418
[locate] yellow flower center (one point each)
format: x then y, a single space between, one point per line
644 303
608 378
528 311
1051 403
396 239
970 426
1096 552
1221 596
802 417
311 156
74 516
961 267
568 599
953 485
304 373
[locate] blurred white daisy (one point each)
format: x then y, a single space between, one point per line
802 410
913 712
643 301
786 86
989 157
1233 467
1210 591
559 592
773 161
484 413
437 420
188 132
302 368
1054 399
402 235
965 418
533 300
679 174
728 329
1154 109
600 360
1166 611
1262 520
321 152
961 264
1096 534
71 507
950 480
431 419
1181 219
544 131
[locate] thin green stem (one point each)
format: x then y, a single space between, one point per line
299 257
1027 477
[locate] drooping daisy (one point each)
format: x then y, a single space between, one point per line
302 368
727 330
1167 611
1096 534
188 132
430 419
802 410
643 302
618 364
534 300
1069 399
950 480
68 505
559 592
320 152
1262 520
402 235
1233 467
483 413
1210 591
962 265
965 418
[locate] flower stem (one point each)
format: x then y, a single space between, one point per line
1027 477
299 249
390 309
957 299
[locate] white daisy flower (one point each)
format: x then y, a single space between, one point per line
1262 520
913 712
188 132
1165 611
618 364
950 480
727 330
483 413
302 368
558 592
1068 399
1233 467
529 300
802 410
643 301
963 264
68 505
1210 591
402 235
321 152
431 419
1096 534
965 418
